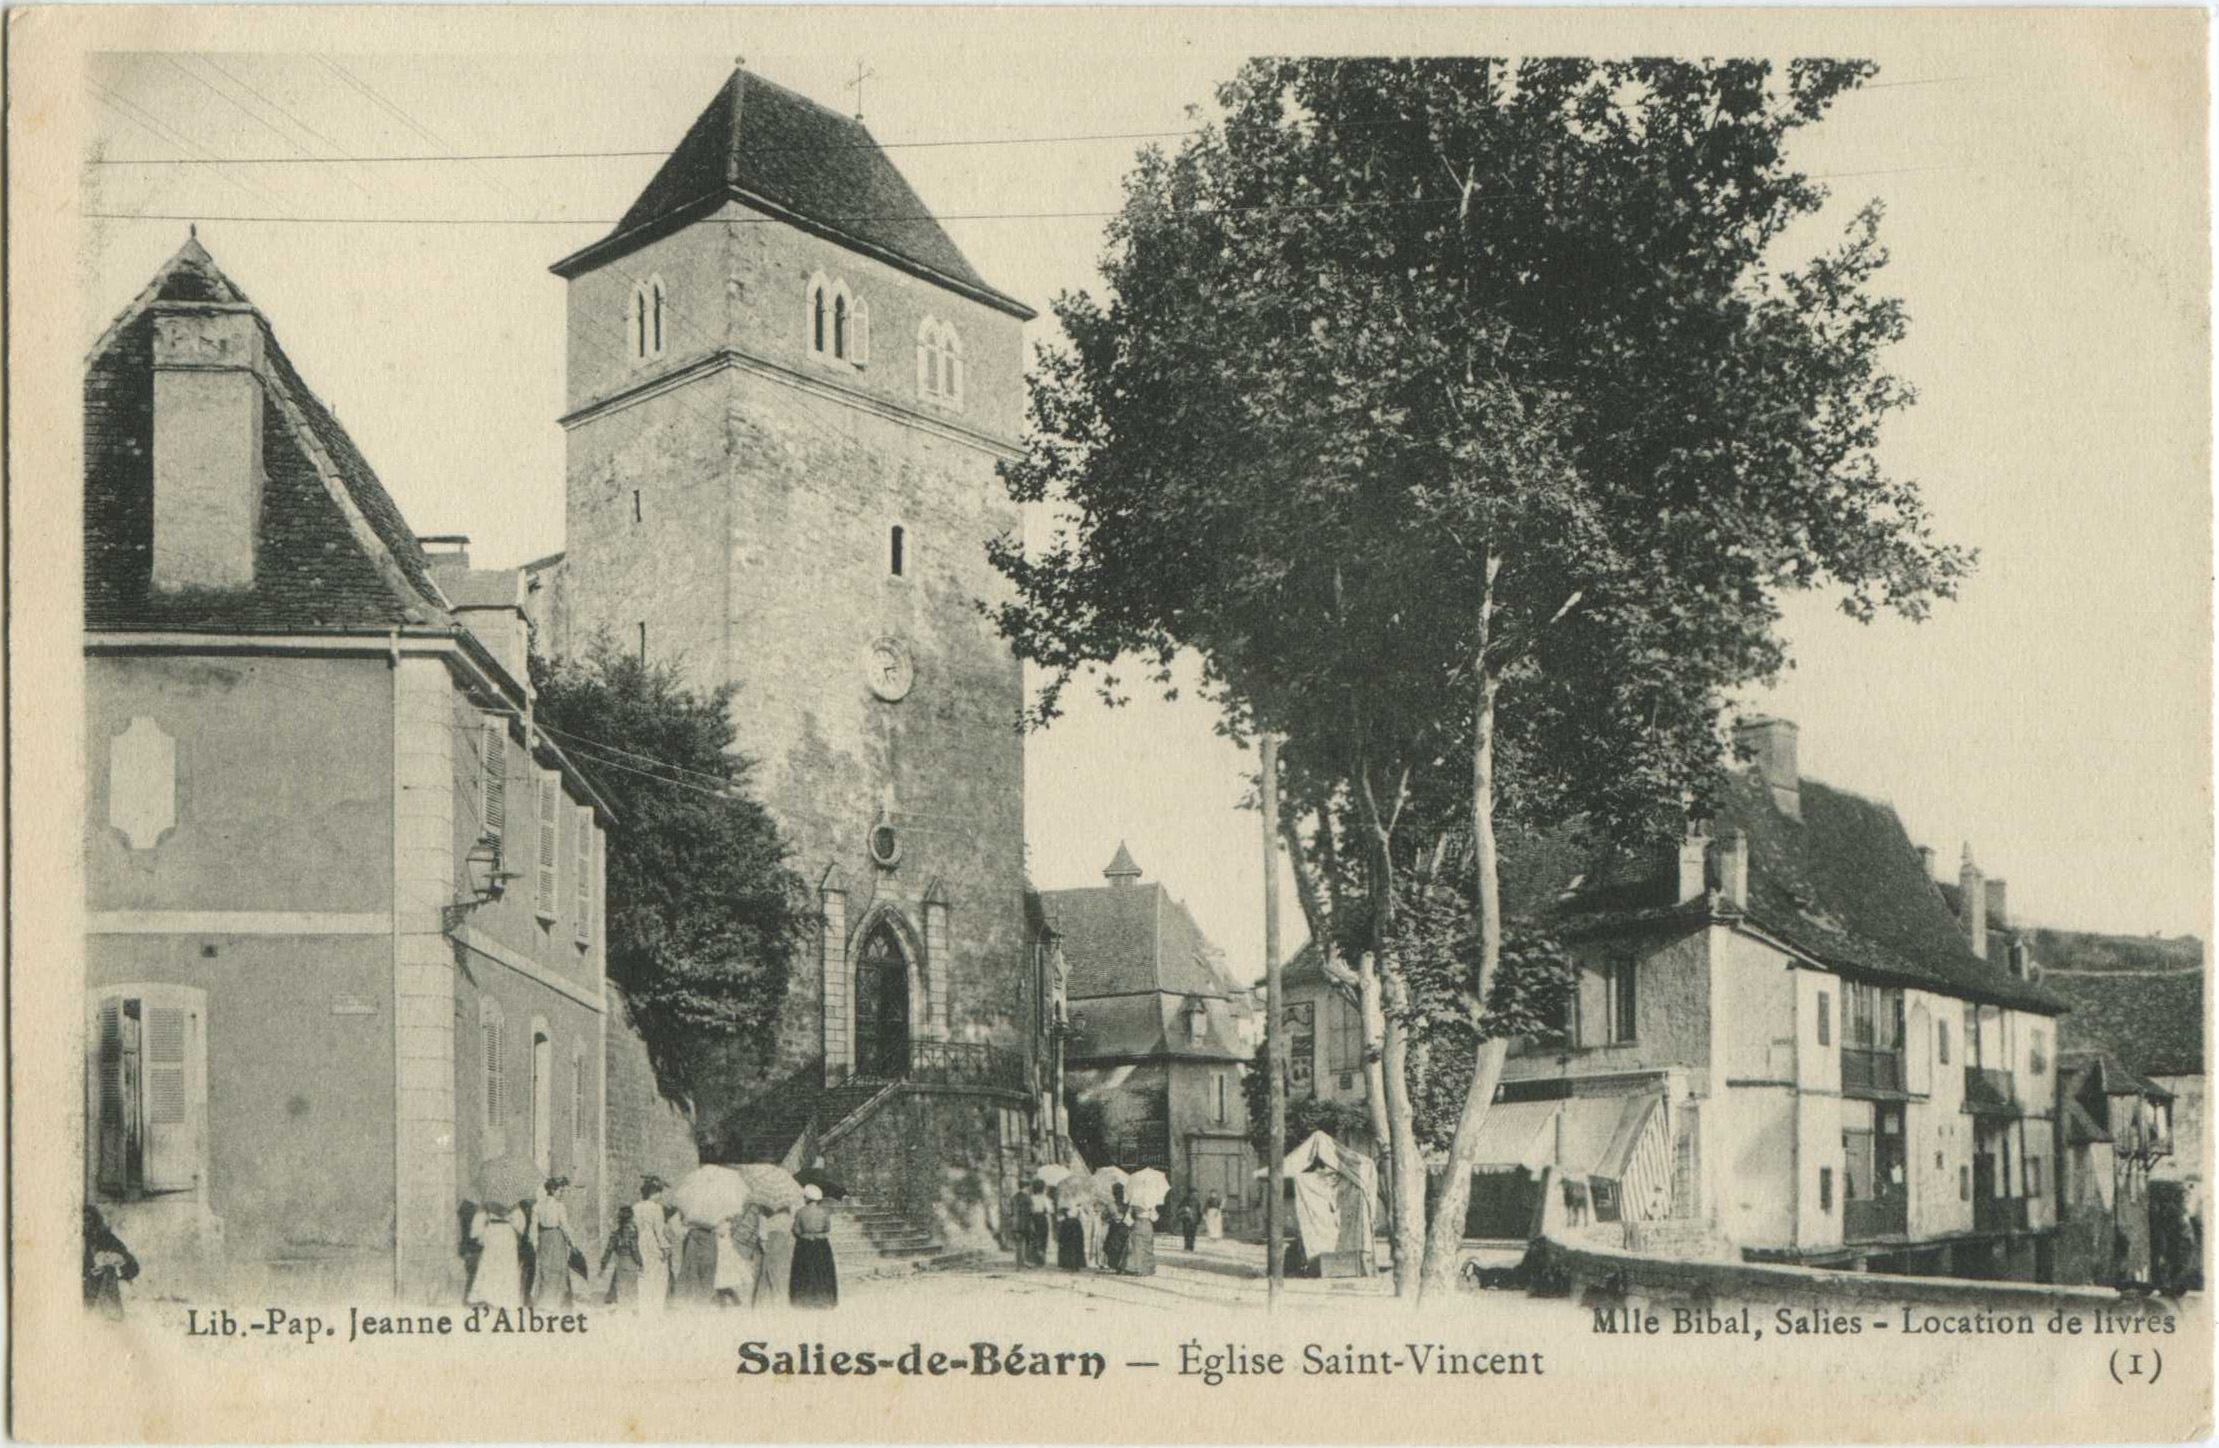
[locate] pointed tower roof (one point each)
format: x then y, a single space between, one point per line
1122 870
800 162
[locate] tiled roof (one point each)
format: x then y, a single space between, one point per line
1152 1025
2152 1023
760 140
313 570
1123 938
1842 884
2085 950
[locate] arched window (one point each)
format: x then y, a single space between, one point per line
939 364
543 1096
639 324
816 317
839 326
657 287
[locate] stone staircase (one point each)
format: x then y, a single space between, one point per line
767 1127
869 1239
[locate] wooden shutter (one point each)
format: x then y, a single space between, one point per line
489 1029
578 1097
172 1136
118 1113
583 856
493 765
550 806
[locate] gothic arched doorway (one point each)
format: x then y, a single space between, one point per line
881 1006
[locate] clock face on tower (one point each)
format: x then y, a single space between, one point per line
888 670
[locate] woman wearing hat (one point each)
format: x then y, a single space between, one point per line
815 1281
551 1247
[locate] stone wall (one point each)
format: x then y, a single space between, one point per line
758 552
647 1131
932 1153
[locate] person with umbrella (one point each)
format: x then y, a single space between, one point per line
774 1273
739 1254
706 1198
816 1283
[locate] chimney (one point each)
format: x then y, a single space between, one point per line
1998 917
1926 862
1972 904
1122 870
2021 961
1771 743
207 445
1729 868
1693 874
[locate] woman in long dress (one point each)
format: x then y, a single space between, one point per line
498 1280
776 1269
739 1253
696 1282
1120 1230
1140 1245
816 1283
655 1247
1213 1218
623 1260
551 1247
1070 1239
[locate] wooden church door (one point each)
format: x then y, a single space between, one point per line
882 1008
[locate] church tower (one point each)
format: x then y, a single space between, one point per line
787 395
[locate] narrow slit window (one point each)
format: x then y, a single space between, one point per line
658 317
816 320
639 325
894 552
643 642
636 505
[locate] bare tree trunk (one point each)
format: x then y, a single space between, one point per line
1406 1214
1445 1233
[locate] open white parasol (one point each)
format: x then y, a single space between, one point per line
707 1195
1146 1189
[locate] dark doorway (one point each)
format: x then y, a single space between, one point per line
882 1007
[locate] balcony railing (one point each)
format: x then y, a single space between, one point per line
1861 1221
1999 1214
959 1063
1870 1070
1989 1090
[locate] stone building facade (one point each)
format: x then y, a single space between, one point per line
344 964
787 396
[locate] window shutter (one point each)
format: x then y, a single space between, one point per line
115 1120
493 777
578 1132
489 1028
172 1145
583 828
550 803
860 349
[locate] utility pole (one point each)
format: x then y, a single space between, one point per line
1275 1033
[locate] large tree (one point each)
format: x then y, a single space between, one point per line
1461 418
704 913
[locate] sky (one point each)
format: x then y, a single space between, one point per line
2044 179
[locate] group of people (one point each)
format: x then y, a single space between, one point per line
1112 1236
757 1257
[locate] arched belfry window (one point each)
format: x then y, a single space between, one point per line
644 322
816 320
882 1005
839 326
939 364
